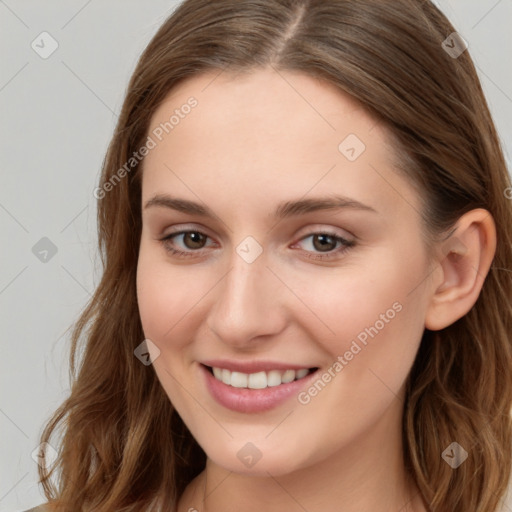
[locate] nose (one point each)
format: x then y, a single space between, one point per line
248 305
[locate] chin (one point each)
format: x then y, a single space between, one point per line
249 459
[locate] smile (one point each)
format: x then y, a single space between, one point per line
259 388
259 380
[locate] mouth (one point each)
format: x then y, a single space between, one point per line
258 380
258 391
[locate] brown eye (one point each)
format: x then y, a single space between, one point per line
324 242
185 243
194 239
323 245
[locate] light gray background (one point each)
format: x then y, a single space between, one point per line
57 117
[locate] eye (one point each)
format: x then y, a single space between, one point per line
192 240
328 245
322 246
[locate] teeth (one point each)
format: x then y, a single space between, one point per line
301 373
238 380
259 380
273 378
288 376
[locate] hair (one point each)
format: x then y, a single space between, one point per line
123 446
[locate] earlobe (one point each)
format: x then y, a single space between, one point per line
464 260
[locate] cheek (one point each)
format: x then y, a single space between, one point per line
173 302
377 317
164 296
374 300
378 329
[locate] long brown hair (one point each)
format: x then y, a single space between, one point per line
123 446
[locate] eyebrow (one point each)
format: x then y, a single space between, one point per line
283 210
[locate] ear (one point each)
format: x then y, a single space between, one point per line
463 262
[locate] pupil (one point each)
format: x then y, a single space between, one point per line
326 241
196 239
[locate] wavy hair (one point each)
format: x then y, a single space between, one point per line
123 447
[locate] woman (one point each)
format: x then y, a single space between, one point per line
305 303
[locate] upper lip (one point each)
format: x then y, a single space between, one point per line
253 366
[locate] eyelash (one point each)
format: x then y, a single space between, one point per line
347 244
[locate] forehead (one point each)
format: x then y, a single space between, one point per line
270 132
282 102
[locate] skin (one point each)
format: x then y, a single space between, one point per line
254 141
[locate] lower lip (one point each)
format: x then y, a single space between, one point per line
252 400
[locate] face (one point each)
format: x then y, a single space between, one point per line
281 321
